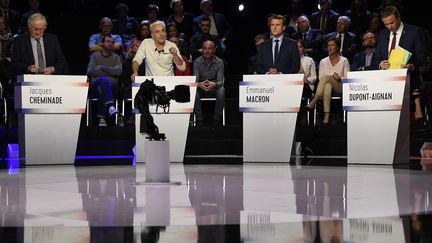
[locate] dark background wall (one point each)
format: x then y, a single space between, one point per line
75 20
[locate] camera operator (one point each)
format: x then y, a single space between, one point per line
159 54
209 70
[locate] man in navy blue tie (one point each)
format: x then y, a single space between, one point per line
278 55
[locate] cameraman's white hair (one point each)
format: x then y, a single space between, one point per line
34 17
158 22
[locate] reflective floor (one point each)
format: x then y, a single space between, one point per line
217 203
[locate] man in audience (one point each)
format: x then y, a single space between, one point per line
324 19
38 52
95 42
278 55
219 24
34 8
104 70
124 25
159 54
347 39
366 59
259 39
199 38
313 38
209 70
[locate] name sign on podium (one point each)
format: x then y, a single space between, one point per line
51 96
270 95
270 104
49 108
175 124
377 103
373 93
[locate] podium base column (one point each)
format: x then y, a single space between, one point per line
157 163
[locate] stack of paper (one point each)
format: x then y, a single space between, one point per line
398 58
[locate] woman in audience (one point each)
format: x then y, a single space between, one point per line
332 70
142 33
307 66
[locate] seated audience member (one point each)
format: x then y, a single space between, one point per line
220 26
325 18
104 70
308 68
12 17
294 11
209 70
187 71
375 25
183 20
152 13
331 71
34 8
259 39
142 33
183 43
366 59
124 25
6 40
198 39
37 52
313 38
105 27
347 39
359 16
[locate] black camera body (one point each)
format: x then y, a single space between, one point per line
151 94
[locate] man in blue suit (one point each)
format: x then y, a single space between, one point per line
278 55
408 37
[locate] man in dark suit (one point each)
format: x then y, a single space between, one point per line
408 37
366 59
220 25
313 38
347 39
278 55
37 52
324 19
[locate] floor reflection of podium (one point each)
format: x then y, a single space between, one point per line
217 199
109 201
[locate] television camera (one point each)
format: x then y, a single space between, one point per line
150 94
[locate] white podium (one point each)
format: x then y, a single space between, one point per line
49 108
175 124
270 104
377 103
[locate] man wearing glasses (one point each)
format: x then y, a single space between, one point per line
38 52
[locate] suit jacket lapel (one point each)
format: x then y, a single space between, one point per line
29 47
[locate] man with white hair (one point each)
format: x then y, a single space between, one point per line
37 52
159 54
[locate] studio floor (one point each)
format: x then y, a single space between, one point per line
265 202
